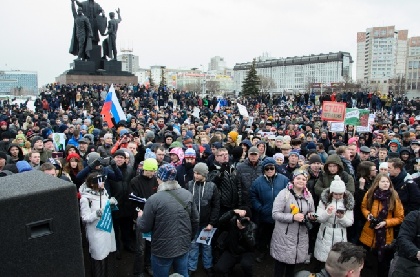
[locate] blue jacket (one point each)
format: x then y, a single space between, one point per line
262 194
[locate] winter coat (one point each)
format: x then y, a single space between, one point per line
332 229
408 191
207 200
325 180
119 190
246 174
224 178
101 243
393 219
409 236
142 187
262 194
184 174
105 150
172 226
290 241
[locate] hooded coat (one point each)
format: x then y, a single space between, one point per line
263 192
20 154
325 180
290 240
332 229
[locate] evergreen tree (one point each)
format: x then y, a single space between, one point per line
251 84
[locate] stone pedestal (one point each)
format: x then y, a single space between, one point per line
66 78
113 66
95 56
84 66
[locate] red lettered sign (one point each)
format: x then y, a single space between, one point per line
333 111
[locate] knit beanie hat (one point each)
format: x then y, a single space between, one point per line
233 135
202 169
149 154
190 153
311 145
93 156
337 185
278 155
315 159
34 140
187 140
23 166
166 172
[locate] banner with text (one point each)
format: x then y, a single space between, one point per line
333 111
357 117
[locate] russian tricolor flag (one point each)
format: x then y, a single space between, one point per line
112 106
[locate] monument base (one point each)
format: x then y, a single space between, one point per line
70 78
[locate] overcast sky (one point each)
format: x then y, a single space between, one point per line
186 33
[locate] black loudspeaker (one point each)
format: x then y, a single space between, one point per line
40 226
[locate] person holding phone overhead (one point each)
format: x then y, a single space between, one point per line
335 213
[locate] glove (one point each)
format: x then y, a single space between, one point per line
113 164
99 213
113 201
95 163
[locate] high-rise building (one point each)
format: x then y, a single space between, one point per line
130 62
18 82
296 74
217 64
381 56
412 75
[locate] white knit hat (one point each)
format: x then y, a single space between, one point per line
337 185
383 165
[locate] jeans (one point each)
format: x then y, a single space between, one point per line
194 253
161 266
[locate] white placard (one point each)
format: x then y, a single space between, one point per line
337 127
242 110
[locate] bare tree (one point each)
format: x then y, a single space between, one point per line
195 87
212 86
266 83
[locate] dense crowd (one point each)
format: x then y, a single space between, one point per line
276 182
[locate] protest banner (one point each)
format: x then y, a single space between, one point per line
105 223
59 141
337 126
366 129
333 111
357 117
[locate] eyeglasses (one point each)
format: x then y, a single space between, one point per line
269 168
225 154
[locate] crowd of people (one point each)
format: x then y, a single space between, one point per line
274 183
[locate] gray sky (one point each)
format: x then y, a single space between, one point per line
186 33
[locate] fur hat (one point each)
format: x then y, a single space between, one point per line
337 185
166 172
202 169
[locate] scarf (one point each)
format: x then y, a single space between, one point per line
398 181
383 197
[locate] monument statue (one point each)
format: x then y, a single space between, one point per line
92 10
109 45
81 42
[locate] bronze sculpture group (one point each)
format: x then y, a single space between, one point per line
89 22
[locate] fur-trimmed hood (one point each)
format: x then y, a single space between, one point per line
348 199
170 185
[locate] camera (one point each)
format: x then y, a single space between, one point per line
244 221
307 222
373 222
